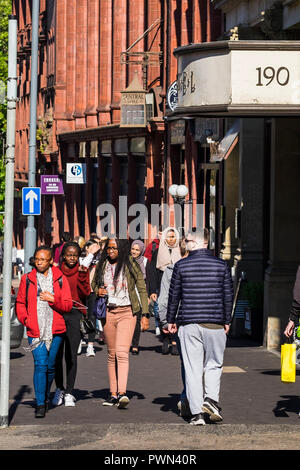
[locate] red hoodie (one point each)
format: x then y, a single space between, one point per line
150 248
26 310
79 282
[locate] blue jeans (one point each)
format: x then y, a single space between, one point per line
44 368
156 313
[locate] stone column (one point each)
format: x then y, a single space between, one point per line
231 202
284 256
92 62
81 64
105 63
70 59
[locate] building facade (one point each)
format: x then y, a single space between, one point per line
253 147
106 70
91 53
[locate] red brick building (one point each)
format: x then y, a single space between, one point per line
89 51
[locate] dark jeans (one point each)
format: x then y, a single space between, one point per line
70 346
183 393
90 305
44 368
137 331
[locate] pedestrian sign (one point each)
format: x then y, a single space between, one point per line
31 201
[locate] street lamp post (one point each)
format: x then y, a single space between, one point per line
179 193
9 215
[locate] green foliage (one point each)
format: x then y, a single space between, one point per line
5 10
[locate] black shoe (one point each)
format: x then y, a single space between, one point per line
40 411
174 350
134 351
110 401
197 420
165 346
123 401
212 408
47 406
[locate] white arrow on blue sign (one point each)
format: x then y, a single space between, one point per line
31 201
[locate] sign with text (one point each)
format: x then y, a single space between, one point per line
51 185
76 173
242 77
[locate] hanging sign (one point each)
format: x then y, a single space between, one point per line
51 185
76 173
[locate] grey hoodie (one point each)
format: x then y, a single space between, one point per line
164 295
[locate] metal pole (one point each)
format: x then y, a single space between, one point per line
30 232
9 215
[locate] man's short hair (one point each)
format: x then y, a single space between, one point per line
197 234
200 237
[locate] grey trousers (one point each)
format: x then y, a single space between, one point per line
202 353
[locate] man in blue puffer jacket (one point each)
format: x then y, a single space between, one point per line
201 286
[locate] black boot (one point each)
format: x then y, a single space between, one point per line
174 350
165 345
40 411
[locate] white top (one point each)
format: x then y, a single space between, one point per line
118 295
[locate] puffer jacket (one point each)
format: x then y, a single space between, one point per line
201 286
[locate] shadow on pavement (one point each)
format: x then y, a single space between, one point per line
17 400
273 372
290 404
168 403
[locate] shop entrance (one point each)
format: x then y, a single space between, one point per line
210 194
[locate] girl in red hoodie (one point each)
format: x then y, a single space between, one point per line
78 277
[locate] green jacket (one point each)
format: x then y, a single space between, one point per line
136 286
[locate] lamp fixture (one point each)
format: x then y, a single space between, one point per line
178 193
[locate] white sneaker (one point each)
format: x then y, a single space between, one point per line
69 400
90 352
79 347
58 397
157 331
198 420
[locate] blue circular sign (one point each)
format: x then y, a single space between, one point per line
76 170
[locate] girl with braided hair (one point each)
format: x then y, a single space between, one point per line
120 278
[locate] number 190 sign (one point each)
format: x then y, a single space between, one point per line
268 74
266 77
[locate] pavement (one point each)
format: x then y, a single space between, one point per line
260 412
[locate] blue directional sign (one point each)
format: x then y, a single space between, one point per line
31 201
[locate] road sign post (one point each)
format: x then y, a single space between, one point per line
30 231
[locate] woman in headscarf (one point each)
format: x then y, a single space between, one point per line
137 252
167 253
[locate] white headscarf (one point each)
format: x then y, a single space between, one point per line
168 254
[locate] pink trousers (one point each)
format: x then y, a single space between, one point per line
118 332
